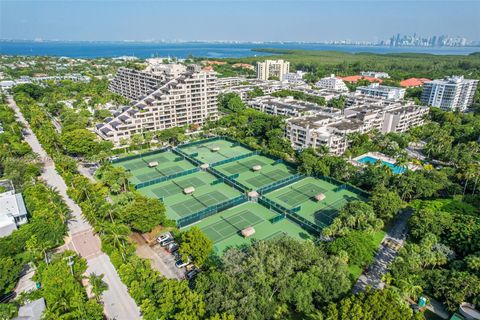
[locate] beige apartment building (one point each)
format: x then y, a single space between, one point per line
183 96
332 130
272 69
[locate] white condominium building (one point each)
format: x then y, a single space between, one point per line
332 83
294 77
383 92
230 82
272 69
187 98
133 84
288 107
375 74
451 93
331 130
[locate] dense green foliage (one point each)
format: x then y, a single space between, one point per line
300 96
143 214
63 291
195 244
355 215
273 279
440 259
370 305
358 245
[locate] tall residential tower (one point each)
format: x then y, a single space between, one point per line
451 93
269 69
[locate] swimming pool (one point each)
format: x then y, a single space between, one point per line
372 160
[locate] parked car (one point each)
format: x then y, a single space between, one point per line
177 255
166 242
192 274
180 263
172 246
164 237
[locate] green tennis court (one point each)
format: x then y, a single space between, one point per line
295 196
134 164
228 226
197 203
276 235
224 228
270 171
150 175
161 157
330 211
177 186
301 195
243 165
265 178
168 164
212 151
208 191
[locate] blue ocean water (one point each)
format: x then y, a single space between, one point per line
197 49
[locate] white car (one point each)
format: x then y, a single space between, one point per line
180 263
164 237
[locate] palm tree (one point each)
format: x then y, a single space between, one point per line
117 235
98 285
409 289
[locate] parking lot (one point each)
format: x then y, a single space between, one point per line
161 260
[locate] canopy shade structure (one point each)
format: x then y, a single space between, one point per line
189 190
215 148
248 232
153 164
257 167
320 197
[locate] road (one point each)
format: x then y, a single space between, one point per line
386 254
117 302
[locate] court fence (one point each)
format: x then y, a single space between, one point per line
236 158
280 183
278 218
232 183
187 157
346 185
304 223
201 141
140 155
165 178
211 210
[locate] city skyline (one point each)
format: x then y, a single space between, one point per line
312 21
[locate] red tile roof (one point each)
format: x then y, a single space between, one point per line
413 82
356 78
214 62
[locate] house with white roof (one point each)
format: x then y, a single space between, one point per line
13 212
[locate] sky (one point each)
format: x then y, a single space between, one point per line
242 20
